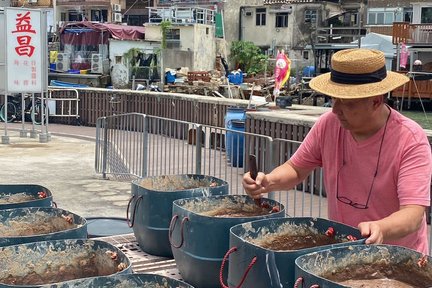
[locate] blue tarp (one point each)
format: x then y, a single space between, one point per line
67 84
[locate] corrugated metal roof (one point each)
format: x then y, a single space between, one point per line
272 2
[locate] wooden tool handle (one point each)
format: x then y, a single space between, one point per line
253 169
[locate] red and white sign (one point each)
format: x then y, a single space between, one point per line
24 50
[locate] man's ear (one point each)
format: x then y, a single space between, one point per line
378 100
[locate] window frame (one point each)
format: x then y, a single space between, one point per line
310 16
260 16
281 19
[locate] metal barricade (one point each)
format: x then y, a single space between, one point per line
63 106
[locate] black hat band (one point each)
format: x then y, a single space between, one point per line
347 78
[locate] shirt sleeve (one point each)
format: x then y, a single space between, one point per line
415 172
308 155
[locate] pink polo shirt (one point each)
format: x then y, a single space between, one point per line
404 171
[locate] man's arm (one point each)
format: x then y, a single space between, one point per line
283 177
399 224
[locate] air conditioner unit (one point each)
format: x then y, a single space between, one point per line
32 1
96 63
117 17
63 62
116 7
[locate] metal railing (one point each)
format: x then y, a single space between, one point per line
134 145
182 15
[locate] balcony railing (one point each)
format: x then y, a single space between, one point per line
404 32
83 3
182 15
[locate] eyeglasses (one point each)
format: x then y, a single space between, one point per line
346 200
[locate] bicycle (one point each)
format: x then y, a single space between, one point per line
32 112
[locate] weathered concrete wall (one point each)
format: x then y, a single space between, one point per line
204 48
177 58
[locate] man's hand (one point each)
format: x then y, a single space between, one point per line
254 188
372 231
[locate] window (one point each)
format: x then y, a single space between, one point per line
426 15
260 16
74 15
310 16
306 55
173 38
99 15
281 19
408 15
383 16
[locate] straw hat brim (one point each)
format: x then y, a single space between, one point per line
324 85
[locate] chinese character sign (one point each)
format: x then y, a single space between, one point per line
24 50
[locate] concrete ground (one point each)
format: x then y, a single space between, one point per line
64 165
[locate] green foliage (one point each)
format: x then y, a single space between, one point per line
165 25
248 57
130 58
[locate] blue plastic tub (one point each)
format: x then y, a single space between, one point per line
24 195
151 206
47 262
125 281
233 114
360 265
235 78
235 137
200 241
25 225
275 268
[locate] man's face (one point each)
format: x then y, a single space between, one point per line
353 114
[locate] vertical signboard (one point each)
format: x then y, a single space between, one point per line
2 52
24 50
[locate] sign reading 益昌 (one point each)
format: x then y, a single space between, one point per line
24 50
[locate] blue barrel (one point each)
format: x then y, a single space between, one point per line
272 268
308 71
126 280
233 113
200 241
25 225
47 262
364 266
151 206
24 195
235 136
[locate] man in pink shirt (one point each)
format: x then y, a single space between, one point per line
377 163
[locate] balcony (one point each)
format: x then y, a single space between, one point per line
418 34
83 3
182 15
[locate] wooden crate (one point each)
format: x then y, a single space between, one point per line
198 76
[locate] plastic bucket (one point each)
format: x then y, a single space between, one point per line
364 264
264 267
200 242
24 195
150 206
233 113
48 262
25 225
122 281
236 142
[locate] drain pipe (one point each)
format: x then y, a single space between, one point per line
241 22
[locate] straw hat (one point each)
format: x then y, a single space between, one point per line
357 73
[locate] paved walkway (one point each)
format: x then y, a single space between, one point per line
64 165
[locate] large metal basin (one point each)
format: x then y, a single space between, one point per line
151 206
24 195
200 242
25 225
39 263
